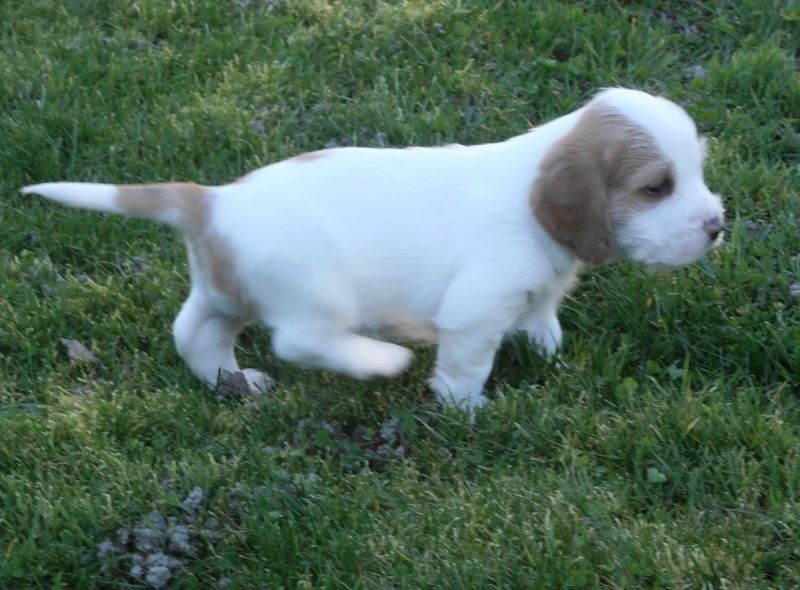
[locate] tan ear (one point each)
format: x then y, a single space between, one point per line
570 198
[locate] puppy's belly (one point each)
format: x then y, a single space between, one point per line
400 326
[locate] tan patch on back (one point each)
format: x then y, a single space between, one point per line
309 156
305 158
582 173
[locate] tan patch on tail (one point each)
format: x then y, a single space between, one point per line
188 206
187 202
585 174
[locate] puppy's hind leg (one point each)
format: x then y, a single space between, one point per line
204 338
327 347
315 323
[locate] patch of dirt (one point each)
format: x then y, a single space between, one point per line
156 547
233 386
360 447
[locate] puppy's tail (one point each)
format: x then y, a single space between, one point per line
183 205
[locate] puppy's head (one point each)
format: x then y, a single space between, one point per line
627 181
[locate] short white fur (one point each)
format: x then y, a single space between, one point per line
340 249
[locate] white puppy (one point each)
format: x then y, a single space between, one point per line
457 245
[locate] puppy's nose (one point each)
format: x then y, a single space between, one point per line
713 227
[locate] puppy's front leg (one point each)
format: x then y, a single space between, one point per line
463 362
540 323
476 313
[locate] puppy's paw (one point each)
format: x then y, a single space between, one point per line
258 381
450 394
395 359
372 358
546 335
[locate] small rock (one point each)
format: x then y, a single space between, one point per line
213 524
157 520
83 390
794 290
231 385
209 535
133 265
696 72
124 536
445 453
180 540
211 530
754 228
105 548
390 430
193 500
77 352
159 576
438 28
258 128
237 496
33 409
137 567
147 539
159 569
309 428
137 571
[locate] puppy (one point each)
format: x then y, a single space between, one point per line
340 249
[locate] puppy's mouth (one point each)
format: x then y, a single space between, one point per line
663 259
717 240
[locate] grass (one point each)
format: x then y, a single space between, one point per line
664 452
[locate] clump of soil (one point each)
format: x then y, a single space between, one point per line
156 547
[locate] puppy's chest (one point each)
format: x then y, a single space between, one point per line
552 291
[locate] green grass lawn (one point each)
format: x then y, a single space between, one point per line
664 452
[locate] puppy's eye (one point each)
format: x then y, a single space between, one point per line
661 189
